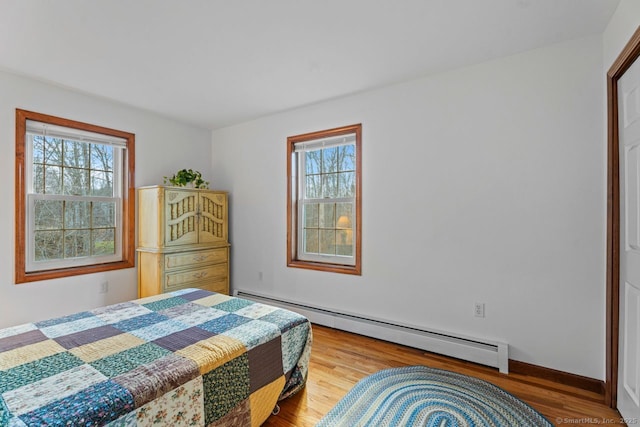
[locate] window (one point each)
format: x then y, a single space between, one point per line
324 208
74 198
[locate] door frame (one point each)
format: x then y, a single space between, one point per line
627 57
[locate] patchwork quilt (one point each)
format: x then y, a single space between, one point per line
186 358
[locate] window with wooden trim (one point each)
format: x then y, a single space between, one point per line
324 200
74 197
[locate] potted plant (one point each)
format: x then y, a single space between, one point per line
185 177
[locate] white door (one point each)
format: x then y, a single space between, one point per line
629 350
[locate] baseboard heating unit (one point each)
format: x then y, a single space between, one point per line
485 352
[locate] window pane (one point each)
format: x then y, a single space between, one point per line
103 241
48 214
53 180
328 242
101 183
344 242
76 154
330 185
312 162
102 157
347 158
327 215
38 149
77 215
310 215
53 151
76 181
38 179
330 160
346 184
311 240
48 245
344 213
77 243
104 214
313 188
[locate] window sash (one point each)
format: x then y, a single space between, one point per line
30 247
322 257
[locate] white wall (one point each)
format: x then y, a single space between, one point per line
622 25
162 147
483 184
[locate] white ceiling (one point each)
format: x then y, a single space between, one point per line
219 62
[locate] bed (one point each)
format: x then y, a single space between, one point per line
189 357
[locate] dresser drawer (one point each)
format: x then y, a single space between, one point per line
220 286
196 258
212 272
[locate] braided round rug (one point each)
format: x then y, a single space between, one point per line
422 396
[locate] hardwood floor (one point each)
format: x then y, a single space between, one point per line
339 359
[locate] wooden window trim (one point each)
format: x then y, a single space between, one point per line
292 225
128 201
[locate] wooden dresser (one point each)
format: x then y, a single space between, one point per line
182 240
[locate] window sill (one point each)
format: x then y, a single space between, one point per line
24 277
332 268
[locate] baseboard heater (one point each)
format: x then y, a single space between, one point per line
489 353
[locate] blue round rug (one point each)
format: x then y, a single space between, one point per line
422 396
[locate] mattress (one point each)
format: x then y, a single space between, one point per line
190 357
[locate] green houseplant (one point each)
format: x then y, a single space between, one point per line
185 177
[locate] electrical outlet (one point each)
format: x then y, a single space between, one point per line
104 287
478 309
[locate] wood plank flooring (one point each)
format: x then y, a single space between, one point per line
339 359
